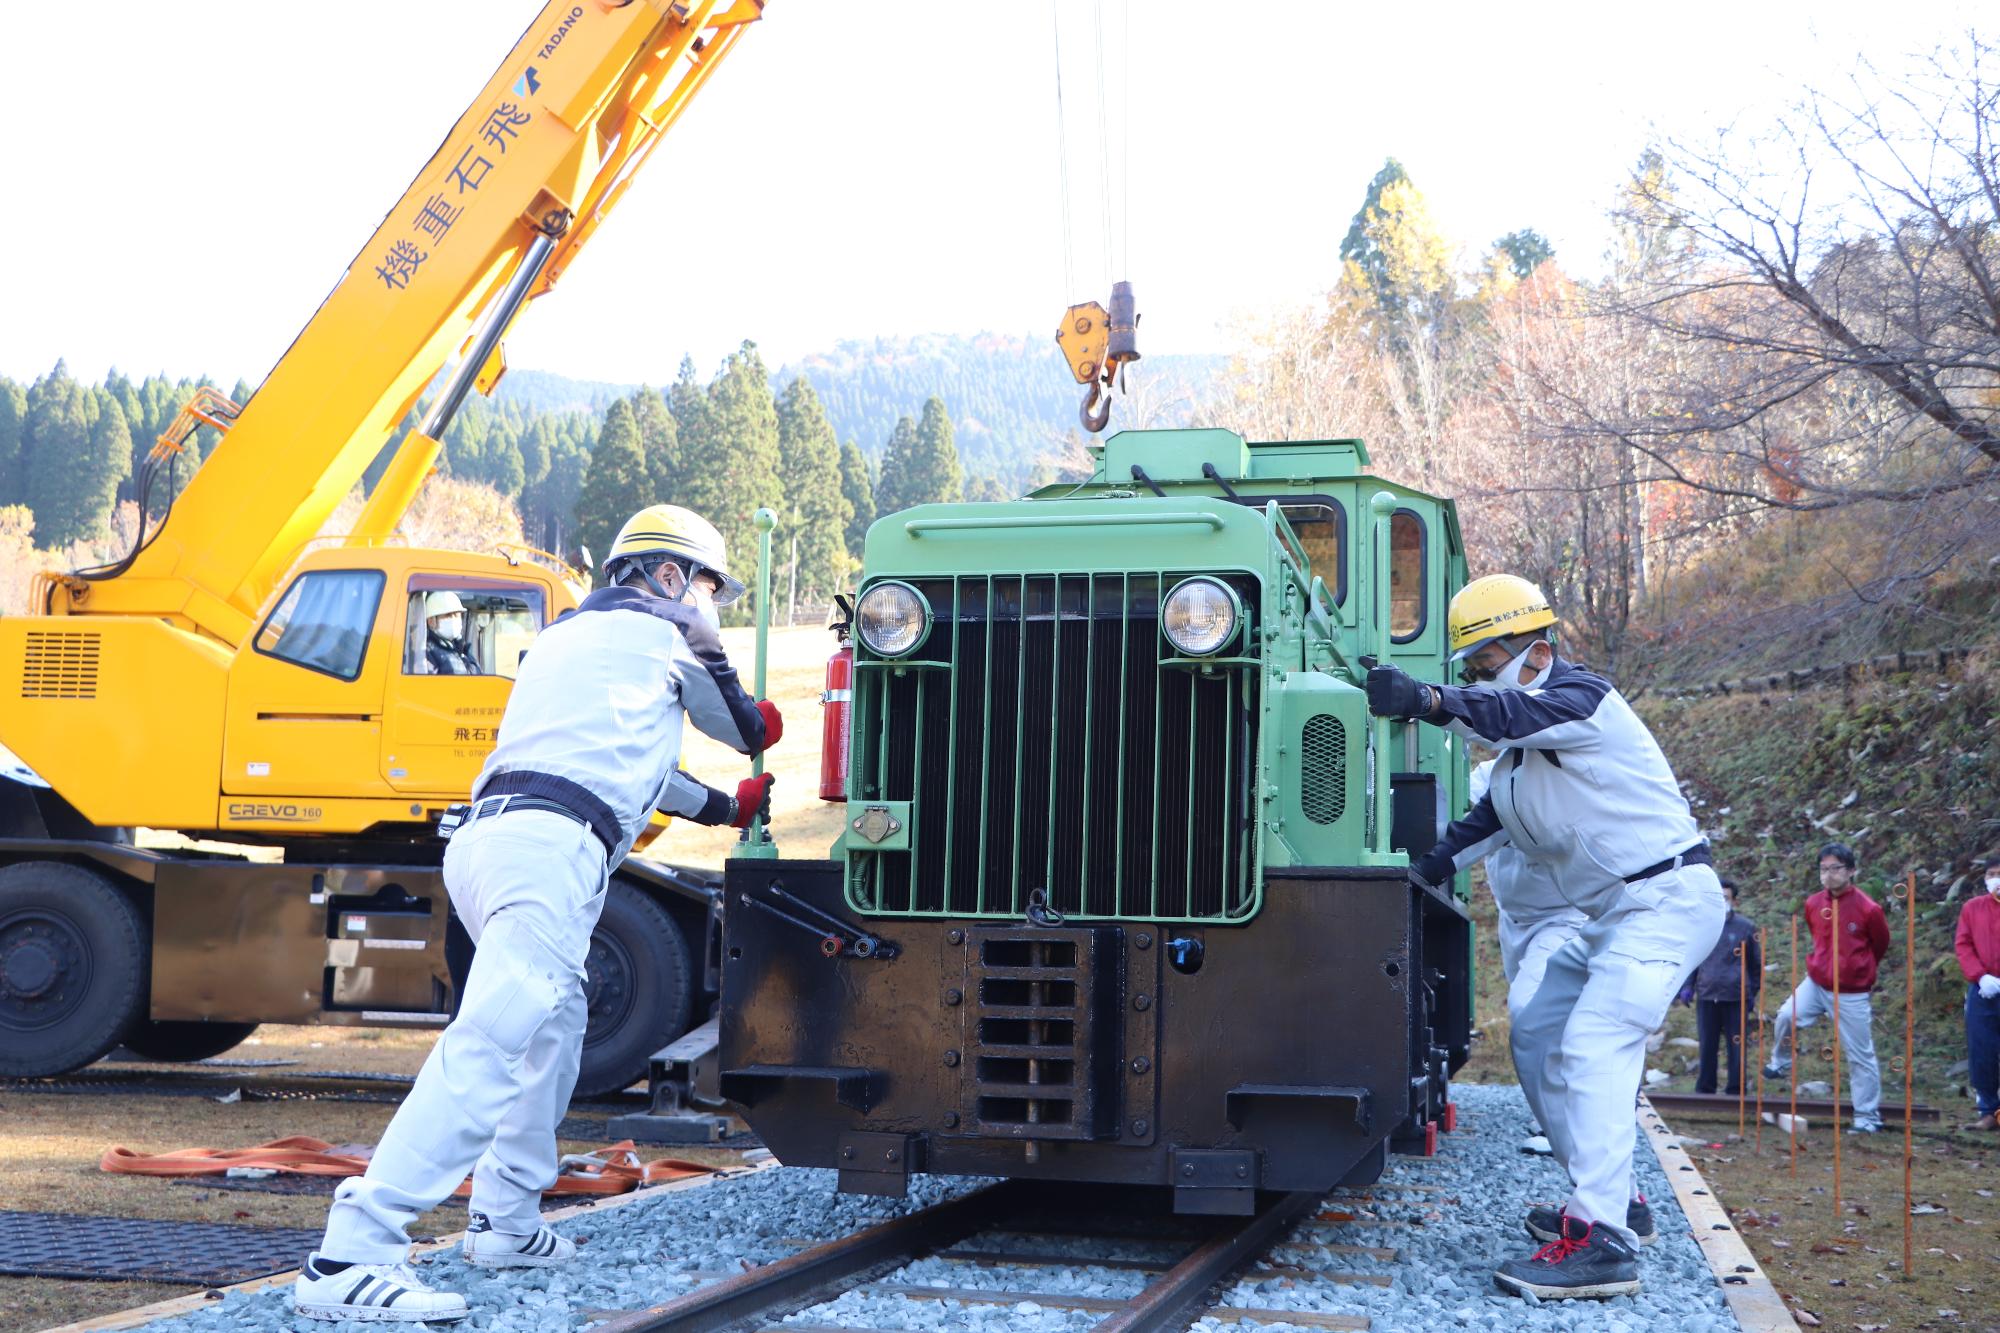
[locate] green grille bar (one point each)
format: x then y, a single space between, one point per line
1149 759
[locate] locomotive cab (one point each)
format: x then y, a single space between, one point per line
1122 894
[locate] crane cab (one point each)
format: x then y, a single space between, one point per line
347 708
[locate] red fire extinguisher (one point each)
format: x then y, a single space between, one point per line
837 704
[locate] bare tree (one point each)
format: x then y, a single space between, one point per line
1841 310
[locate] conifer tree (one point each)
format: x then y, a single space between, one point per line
857 492
937 454
614 483
659 440
106 463
735 471
895 488
809 457
693 423
13 420
79 449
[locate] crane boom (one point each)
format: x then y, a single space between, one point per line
535 163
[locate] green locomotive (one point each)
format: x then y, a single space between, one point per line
1122 892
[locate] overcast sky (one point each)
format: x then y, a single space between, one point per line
187 179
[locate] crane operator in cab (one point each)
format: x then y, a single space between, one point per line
446 652
1581 789
589 748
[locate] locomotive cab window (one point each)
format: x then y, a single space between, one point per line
1321 526
323 621
468 629
1408 551
1322 530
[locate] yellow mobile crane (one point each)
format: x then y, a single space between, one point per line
233 679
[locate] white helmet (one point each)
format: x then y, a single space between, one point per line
442 604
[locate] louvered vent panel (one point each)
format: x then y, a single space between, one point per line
60 664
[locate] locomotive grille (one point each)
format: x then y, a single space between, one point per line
1047 736
60 664
1323 768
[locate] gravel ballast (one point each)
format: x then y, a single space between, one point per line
655 1249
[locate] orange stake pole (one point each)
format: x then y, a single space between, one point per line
1833 965
1742 1051
1909 1047
1759 1147
1741 1033
1793 1000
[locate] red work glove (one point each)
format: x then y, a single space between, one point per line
753 798
774 722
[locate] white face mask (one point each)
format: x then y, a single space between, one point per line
1993 885
1509 677
449 627
704 605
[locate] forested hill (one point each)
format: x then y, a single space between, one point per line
1011 398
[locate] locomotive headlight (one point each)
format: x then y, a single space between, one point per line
892 618
1200 616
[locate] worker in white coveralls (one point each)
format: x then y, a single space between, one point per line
588 750
1535 919
1581 787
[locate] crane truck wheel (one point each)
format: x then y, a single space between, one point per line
171 1040
73 967
639 989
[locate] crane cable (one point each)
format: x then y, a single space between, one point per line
1103 143
1110 229
1098 344
1062 155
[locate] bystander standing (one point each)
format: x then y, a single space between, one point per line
1854 958
1978 947
1727 980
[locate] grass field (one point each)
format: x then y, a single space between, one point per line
801 823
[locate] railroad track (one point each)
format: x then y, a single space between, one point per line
1177 1290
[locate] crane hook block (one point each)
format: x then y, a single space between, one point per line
1084 336
1124 343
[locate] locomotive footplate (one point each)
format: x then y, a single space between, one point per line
1280 1053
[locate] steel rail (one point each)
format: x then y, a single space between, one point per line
759 1299
1171 1300
818 1274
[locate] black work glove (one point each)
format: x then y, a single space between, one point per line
1394 692
1434 868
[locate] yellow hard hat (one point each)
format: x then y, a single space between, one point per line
682 534
1495 607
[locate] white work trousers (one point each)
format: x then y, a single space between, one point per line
529 886
1525 951
1856 1024
1580 1044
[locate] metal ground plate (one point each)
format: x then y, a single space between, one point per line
123 1249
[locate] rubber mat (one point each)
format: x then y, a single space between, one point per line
64 1245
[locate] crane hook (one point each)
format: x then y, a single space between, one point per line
1096 410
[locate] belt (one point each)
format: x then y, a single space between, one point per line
1697 855
458 816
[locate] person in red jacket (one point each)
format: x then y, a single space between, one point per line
1864 939
1978 948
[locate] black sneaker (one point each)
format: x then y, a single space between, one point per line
1545 1221
1585 1263
1773 1073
